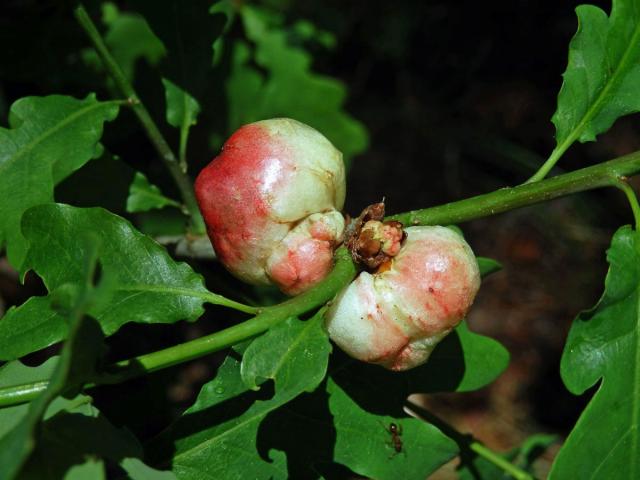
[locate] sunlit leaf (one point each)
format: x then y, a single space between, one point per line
602 77
365 442
151 286
464 361
50 138
60 434
604 346
291 354
216 437
488 266
372 398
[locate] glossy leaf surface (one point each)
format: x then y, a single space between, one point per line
151 286
48 139
463 361
292 354
600 83
604 346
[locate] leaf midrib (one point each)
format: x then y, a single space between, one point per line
51 131
596 105
155 196
635 416
204 295
293 346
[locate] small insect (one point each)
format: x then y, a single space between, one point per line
396 432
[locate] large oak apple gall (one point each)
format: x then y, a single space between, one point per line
271 201
396 317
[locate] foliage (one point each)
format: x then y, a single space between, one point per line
151 287
283 402
603 345
599 84
35 155
144 196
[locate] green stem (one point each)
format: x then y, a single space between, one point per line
18 394
216 299
341 275
499 461
466 443
552 160
602 175
153 132
182 152
631 197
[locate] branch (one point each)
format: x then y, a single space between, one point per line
601 175
169 159
631 198
605 174
467 444
343 272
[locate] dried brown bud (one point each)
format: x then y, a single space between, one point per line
371 241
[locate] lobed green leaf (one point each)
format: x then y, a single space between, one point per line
292 354
50 138
150 286
372 398
464 361
74 367
604 345
365 443
600 83
217 436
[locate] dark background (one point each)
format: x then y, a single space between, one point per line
457 98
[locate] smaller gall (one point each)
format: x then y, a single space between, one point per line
396 315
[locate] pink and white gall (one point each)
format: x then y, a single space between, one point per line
271 201
395 318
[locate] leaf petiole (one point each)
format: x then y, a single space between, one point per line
632 198
167 156
597 176
343 272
